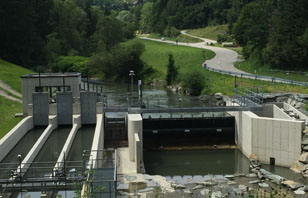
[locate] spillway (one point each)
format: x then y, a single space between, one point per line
83 141
48 155
11 160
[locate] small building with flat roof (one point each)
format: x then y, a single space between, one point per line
50 83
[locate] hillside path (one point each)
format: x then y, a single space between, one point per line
4 88
223 60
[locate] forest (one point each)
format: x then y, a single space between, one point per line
90 36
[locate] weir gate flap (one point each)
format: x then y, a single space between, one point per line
188 131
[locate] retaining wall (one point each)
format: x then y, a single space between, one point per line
8 142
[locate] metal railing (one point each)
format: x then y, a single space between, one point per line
257 77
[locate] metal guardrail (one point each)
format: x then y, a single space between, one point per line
257 77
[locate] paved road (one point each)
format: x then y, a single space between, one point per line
224 59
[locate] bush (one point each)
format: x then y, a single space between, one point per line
223 38
70 64
194 82
171 31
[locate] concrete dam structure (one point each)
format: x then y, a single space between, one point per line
67 132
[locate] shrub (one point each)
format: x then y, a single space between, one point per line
194 82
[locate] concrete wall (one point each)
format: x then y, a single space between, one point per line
38 145
64 108
280 114
269 137
69 141
88 107
98 143
40 109
267 111
8 142
28 85
135 139
277 138
300 114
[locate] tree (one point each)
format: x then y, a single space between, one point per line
194 82
172 71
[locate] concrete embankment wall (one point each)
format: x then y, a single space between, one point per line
300 114
53 124
8 142
135 144
266 138
98 143
69 141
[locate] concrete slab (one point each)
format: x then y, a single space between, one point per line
125 165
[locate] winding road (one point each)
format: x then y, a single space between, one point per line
224 59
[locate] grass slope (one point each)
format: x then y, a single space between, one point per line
189 58
8 109
181 38
252 66
11 73
186 58
209 32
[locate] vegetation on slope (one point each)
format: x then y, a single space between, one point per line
11 73
188 59
210 32
8 109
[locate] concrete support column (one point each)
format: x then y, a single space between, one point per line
134 126
88 107
65 108
40 108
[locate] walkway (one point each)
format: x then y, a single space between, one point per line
9 93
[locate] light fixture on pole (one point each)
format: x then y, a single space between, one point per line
132 74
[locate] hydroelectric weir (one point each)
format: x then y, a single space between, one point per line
75 137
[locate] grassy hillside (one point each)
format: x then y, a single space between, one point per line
8 109
189 58
11 73
209 32
186 58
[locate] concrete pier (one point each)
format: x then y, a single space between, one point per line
69 141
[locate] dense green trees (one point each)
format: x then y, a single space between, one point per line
38 32
275 32
172 70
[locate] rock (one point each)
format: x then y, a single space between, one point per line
207 183
205 192
230 177
275 178
216 194
297 167
145 190
197 187
251 175
305 142
304 188
231 182
254 163
292 184
137 185
239 174
304 158
263 185
130 178
187 191
242 188
299 192
254 182
178 186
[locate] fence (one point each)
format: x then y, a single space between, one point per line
257 77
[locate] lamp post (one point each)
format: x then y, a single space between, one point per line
20 174
132 74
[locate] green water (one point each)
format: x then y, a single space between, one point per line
49 153
204 162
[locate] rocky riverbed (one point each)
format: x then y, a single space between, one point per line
259 183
